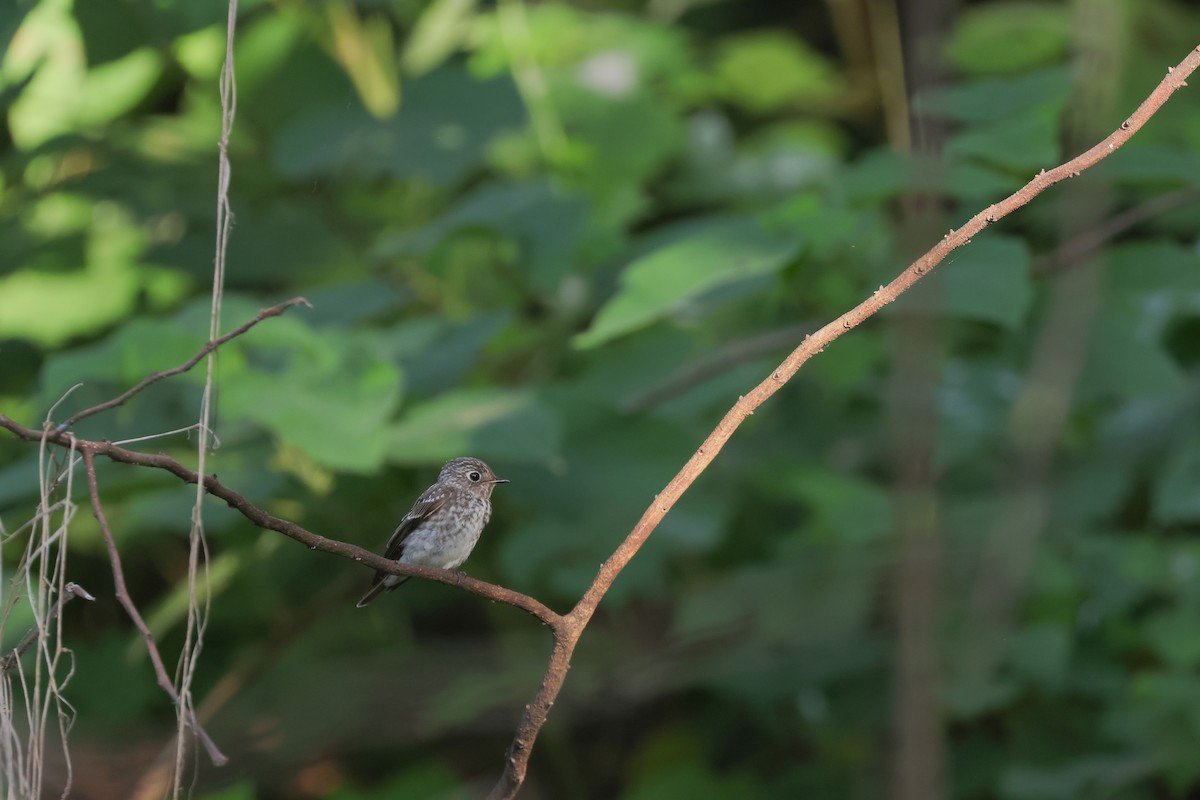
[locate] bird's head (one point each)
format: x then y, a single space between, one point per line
472 475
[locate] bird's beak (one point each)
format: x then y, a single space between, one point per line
498 480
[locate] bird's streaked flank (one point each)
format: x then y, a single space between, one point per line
444 524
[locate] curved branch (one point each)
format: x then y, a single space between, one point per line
155 377
290 529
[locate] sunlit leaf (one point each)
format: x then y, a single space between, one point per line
328 393
771 71
439 31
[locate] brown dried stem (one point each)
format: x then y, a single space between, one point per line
70 592
122 591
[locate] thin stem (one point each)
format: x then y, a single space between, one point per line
155 377
122 591
70 592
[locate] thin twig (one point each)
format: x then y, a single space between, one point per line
1073 251
122 591
731 355
70 592
155 377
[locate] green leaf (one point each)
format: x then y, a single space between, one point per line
1008 37
844 507
545 223
771 71
663 281
1153 164
967 699
1153 279
329 393
987 280
997 98
363 44
239 791
1173 634
1023 143
1177 490
1100 776
63 98
878 175
436 353
1042 653
439 31
440 134
1125 360
693 781
499 424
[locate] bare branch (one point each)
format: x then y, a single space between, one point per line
155 377
535 713
114 557
70 592
290 529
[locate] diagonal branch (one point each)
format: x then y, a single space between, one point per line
155 377
114 557
535 713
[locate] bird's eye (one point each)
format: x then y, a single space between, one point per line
474 476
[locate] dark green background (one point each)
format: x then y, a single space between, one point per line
564 238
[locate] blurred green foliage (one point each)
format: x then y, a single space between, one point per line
564 238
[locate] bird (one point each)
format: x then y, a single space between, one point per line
444 524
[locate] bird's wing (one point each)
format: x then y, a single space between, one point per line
427 505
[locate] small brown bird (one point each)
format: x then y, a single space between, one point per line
444 524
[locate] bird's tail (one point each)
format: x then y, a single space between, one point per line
372 593
377 589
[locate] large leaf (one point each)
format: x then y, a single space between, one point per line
771 71
1177 491
1008 37
496 424
440 134
988 280
328 392
997 98
664 280
545 223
